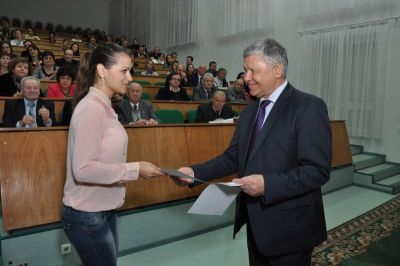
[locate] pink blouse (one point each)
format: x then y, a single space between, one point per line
96 156
54 91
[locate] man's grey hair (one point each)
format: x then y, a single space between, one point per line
130 85
272 52
208 75
27 78
219 93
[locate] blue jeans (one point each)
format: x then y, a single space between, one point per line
93 234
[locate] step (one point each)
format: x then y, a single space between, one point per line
381 171
364 160
389 181
366 181
356 149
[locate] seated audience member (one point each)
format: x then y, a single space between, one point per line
52 37
4 60
160 59
140 52
134 111
192 77
156 53
220 79
34 57
206 88
212 68
173 70
10 83
30 111
48 69
173 91
92 42
149 69
68 60
109 38
189 60
246 88
125 45
5 30
168 61
182 72
64 87
76 39
236 93
25 53
200 73
65 45
216 109
18 41
6 48
75 49
31 35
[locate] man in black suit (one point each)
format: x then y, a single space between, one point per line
281 151
134 111
30 111
216 109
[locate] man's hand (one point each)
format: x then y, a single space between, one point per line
251 184
45 114
181 181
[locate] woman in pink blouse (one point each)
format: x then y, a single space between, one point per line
64 87
96 159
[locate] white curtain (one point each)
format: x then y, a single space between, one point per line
346 67
117 15
241 16
181 21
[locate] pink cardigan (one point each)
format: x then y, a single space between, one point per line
96 157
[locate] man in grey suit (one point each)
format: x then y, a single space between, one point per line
281 151
206 88
134 111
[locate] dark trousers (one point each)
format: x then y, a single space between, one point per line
93 234
301 258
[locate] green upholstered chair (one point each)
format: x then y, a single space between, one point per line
159 83
143 82
146 96
169 116
191 116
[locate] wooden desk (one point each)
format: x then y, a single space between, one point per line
151 79
33 175
32 168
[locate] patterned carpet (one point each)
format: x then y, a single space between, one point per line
354 237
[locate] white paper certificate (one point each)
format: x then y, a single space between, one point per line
215 199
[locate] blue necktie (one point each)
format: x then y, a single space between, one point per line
31 112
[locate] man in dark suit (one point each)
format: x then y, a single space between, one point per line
30 111
134 111
216 109
68 60
281 151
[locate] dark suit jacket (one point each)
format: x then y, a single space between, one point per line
166 94
206 113
293 153
7 86
14 110
74 65
124 111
